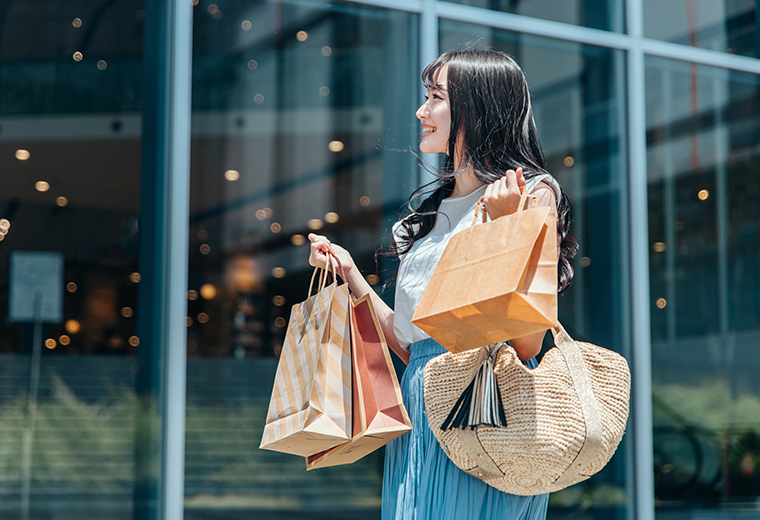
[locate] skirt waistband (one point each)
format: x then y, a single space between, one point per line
429 348
425 349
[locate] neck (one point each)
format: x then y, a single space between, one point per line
466 183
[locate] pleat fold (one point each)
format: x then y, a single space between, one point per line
421 483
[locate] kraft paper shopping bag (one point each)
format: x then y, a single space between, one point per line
495 281
310 408
379 415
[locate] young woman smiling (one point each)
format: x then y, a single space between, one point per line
477 111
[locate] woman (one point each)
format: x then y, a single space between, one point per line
477 111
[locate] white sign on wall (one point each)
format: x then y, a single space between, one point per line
36 274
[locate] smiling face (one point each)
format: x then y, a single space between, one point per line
435 115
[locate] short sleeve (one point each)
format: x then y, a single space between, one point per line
539 181
398 234
545 196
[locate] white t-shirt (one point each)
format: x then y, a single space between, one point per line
417 265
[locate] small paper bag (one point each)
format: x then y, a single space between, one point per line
495 281
310 408
379 415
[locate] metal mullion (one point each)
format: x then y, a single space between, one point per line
428 52
534 26
176 269
164 225
639 272
413 6
707 57
722 217
670 211
429 32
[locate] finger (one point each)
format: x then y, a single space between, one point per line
317 238
320 242
501 190
520 177
512 186
489 192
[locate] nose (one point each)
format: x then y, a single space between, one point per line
423 112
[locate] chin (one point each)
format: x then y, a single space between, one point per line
430 148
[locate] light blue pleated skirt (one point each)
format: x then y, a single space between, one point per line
421 483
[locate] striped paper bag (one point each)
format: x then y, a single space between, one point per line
379 415
310 408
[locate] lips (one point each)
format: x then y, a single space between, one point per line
427 130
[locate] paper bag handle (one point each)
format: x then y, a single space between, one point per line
524 195
323 276
313 276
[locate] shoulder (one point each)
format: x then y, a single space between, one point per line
545 195
546 189
396 230
398 233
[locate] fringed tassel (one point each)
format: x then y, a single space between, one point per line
480 403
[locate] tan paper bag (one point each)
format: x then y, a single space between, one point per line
310 408
495 281
379 415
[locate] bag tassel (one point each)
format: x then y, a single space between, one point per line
480 404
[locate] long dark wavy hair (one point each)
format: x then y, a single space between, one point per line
492 120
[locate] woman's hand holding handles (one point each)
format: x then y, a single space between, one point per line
502 197
321 246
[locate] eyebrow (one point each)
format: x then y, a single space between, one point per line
436 86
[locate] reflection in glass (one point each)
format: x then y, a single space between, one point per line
70 175
704 208
719 25
578 98
312 106
607 15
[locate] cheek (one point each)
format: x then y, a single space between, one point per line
444 120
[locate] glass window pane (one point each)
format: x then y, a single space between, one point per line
704 188
303 114
578 96
608 15
719 25
70 142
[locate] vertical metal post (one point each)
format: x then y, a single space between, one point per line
625 299
640 298
164 228
722 143
429 32
428 52
176 268
669 199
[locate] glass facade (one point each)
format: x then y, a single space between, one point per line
703 195
302 120
607 15
70 148
720 25
300 130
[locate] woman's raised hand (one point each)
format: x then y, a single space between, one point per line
502 197
320 246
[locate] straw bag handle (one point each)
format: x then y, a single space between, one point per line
589 404
521 206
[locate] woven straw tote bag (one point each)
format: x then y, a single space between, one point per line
523 431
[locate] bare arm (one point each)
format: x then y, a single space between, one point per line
359 287
501 199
